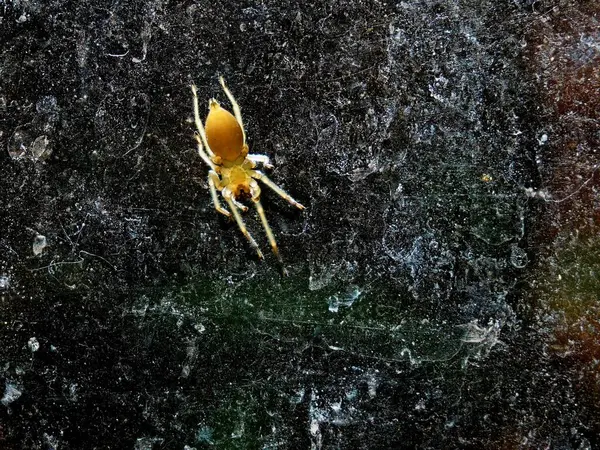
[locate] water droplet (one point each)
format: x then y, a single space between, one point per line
18 143
29 142
346 298
40 149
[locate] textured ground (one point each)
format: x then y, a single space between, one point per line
443 281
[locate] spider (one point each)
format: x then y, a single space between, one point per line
222 146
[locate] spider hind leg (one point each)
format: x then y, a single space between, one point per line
263 218
227 195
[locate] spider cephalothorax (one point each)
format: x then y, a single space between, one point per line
222 146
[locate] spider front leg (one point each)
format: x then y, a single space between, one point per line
228 196
261 159
236 108
203 154
262 177
244 208
203 139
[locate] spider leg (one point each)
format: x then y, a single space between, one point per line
227 195
203 154
262 177
236 107
261 159
213 182
255 189
199 125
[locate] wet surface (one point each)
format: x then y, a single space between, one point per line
443 280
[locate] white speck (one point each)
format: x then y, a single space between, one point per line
4 281
543 139
314 427
185 372
73 392
204 435
39 244
51 441
372 383
11 393
541 194
351 395
147 443
33 344
518 256
336 407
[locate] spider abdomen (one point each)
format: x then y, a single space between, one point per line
224 134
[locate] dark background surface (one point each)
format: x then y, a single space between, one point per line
443 287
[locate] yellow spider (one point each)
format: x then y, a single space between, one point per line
222 146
